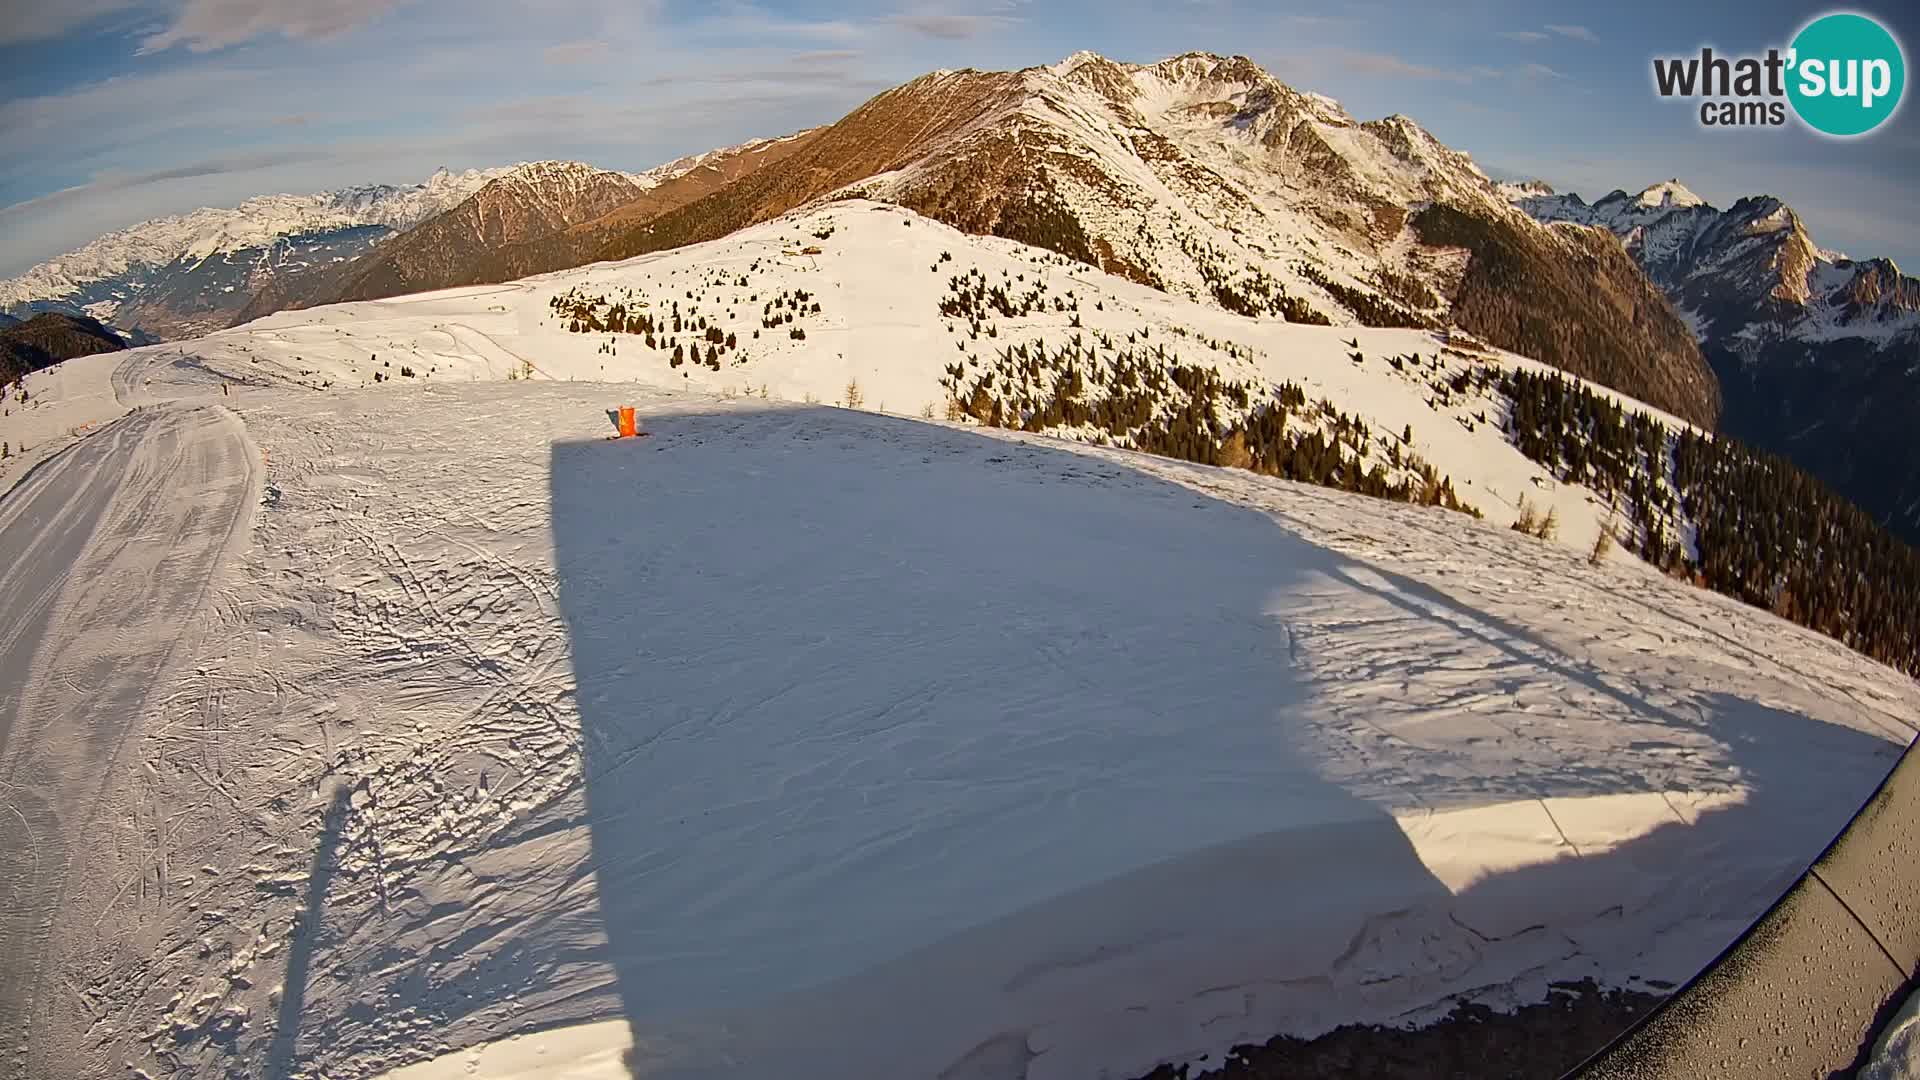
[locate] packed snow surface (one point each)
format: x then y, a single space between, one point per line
804 741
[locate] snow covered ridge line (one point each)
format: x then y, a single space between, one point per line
256 222
1752 271
1658 479
870 305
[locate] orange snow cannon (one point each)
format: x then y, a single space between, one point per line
627 426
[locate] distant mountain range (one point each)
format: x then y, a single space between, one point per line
1818 355
516 224
187 274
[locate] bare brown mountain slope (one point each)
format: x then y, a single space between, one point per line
542 217
900 127
689 181
475 242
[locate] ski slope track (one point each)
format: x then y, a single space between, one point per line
107 553
799 741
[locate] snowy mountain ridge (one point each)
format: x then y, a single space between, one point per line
256 222
1206 178
1813 350
1749 273
1282 182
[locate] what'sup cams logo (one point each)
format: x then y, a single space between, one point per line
1843 75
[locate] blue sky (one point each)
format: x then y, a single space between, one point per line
112 111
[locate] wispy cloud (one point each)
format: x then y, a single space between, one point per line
1394 67
37 21
575 53
738 21
1537 72
950 27
1576 33
206 25
959 20
824 57
114 181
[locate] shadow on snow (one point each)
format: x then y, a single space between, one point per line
282 1055
909 749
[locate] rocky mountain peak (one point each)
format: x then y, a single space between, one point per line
1669 193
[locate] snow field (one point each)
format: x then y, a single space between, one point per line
880 282
799 740
812 740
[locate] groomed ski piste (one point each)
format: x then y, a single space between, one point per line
804 740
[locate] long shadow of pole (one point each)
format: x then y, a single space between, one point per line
286 1031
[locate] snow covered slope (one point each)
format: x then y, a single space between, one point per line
828 742
831 743
880 277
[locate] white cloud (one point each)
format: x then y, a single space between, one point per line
957 20
575 53
237 124
1524 35
952 27
746 21
1577 33
205 25
821 57
116 115
42 21
112 187
1389 66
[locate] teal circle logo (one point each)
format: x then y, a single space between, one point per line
1847 74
